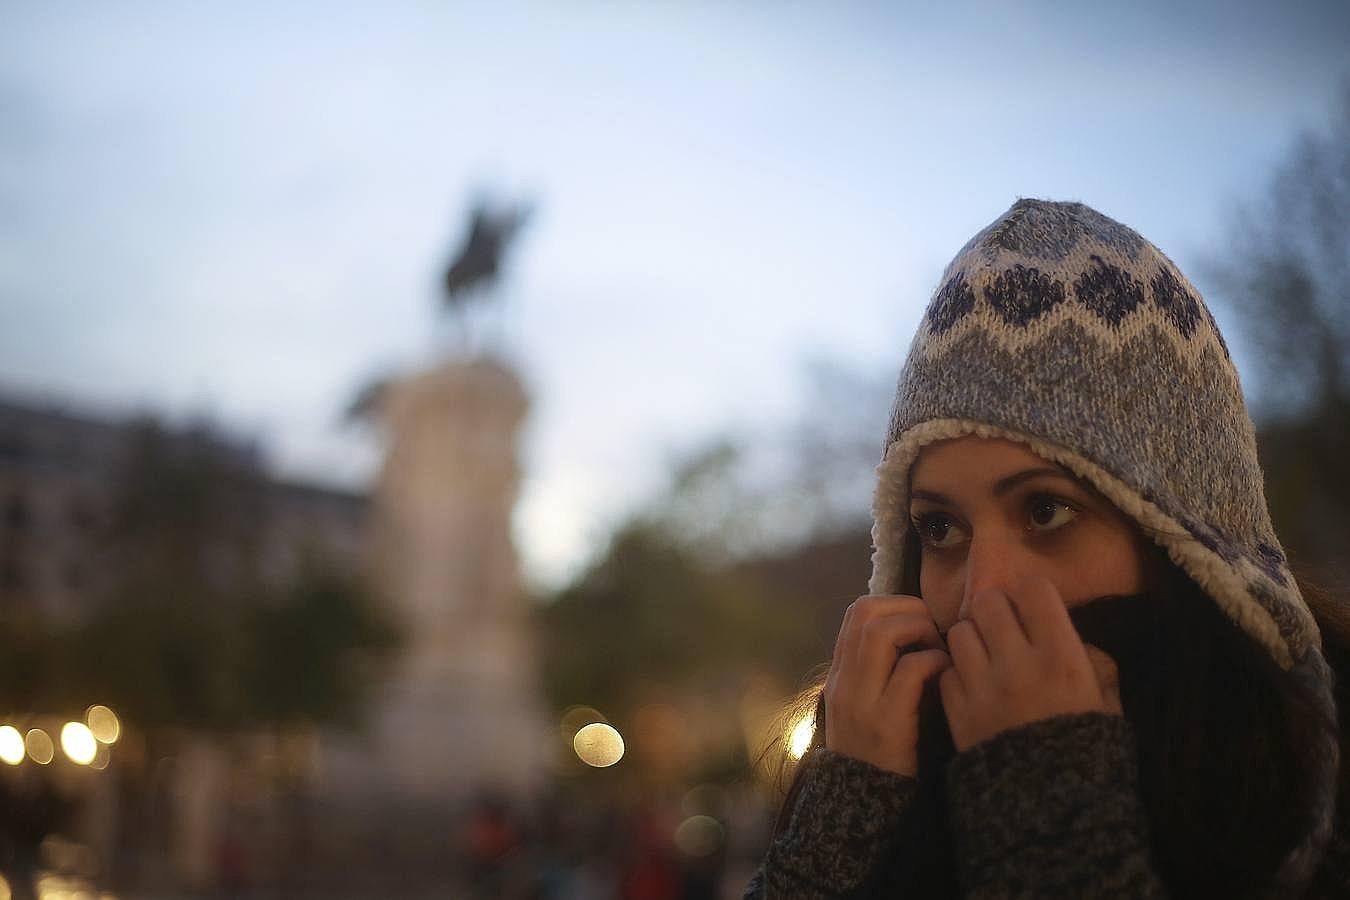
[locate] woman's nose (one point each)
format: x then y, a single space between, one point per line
993 561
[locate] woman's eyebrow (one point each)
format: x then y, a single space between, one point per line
1001 487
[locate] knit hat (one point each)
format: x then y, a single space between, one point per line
1065 330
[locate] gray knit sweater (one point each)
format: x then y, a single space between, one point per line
1048 810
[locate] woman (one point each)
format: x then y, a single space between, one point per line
1084 668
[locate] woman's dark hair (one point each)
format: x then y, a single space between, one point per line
1222 733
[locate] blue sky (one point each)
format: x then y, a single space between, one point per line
242 211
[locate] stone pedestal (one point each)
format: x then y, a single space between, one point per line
463 709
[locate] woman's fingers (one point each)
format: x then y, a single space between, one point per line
999 628
967 650
912 672
1042 612
845 676
873 689
1008 681
882 640
862 611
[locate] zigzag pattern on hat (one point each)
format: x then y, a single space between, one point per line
1113 297
1060 325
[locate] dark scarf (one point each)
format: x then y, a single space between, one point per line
919 861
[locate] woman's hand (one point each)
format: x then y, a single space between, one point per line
1018 659
873 689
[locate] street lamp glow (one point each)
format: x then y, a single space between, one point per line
801 735
78 743
103 724
11 750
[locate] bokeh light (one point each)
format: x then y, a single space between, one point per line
703 799
598 745
51 886
39 745
699 836
799 738
78 743
12 752
575 718
56 852
104 724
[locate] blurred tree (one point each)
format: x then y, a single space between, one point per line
312 654
196 631
1285 268
32 659
739 570
837 443
726 502
192 630
738 498
649 615
181 549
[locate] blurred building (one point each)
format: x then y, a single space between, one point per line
459 712
54 474
59 472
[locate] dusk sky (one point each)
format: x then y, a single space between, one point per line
242 211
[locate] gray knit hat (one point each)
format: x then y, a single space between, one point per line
1066 331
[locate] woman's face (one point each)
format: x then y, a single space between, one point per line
990 512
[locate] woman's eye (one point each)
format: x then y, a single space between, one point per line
937 530
1048 513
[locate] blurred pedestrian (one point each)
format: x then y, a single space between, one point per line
649 870
491 837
